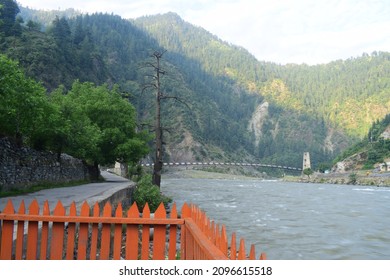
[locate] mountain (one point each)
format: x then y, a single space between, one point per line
371 150
233 107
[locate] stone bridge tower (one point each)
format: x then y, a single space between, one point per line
306 161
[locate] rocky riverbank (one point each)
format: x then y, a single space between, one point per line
363 178
201 174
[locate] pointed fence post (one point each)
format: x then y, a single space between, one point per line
145 234
45 232
233 250
224 242
70 253
132 234
172 235
83 234
20 233
118 234
32 236
57 238
241 250
159 234
95 233
7 234
185 213
252 253
106 234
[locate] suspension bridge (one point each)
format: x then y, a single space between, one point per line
212 163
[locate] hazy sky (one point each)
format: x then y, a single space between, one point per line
282 31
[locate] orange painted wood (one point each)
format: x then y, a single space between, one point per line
83 234
20 233
95 233
159 236
117 234
233 250
172 235
185 213
212 232
200 238
217 237
45 232
98 219
71 233
7 234
210 251
263 256
189 243
252 253
32 235
241 250
145 234
132 235
106 234
57 239
224 242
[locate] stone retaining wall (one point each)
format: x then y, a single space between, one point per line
23 167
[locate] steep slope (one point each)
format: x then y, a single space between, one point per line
286 129
373 150
224 88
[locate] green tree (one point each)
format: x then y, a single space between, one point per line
112 128
23 104
308 172
9 10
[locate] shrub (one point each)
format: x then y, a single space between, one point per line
353 178
146 192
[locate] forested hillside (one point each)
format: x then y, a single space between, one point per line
233 107
372 149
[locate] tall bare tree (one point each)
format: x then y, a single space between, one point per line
156 85
158 161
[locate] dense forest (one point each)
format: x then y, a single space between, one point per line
321 109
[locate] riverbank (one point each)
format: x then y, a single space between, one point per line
362 178
202 174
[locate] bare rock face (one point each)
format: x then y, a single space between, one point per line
257 121
185 150
351 163
386 133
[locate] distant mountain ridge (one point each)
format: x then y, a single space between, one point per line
240 108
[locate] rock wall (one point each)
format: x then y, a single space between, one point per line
23 167
256 123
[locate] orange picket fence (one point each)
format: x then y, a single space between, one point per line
112 234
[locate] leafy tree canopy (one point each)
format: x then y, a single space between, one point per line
8 11
97 125
93 123
23 104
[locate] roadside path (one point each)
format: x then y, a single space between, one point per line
92 193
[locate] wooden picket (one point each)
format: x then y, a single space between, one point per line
109 234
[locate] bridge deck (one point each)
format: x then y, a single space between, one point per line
224 164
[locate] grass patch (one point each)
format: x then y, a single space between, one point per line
39 187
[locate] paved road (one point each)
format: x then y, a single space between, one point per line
91 193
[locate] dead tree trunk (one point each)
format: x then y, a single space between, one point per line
158 161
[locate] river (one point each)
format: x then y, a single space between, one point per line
292 221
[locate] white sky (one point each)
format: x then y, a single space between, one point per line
281 31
